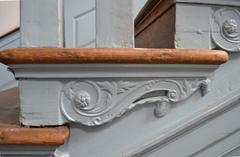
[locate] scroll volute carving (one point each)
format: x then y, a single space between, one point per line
97 102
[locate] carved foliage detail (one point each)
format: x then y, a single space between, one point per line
225 29
97 102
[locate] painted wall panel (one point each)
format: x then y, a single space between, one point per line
98 23
11 41
26 151
80 23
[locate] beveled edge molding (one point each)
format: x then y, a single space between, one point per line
94 103
230 151
69 71
111 56
50 136
225 29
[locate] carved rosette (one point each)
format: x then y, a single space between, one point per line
94 102
225 29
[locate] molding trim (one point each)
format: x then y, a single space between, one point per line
230 151
225 104
211 2
59 71
94 103
234 132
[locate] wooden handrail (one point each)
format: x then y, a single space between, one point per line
111 56
33 136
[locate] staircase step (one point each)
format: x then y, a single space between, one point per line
13 133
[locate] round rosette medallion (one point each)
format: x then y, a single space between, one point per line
225 29
79 100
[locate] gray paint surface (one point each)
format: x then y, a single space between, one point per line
139 127
7 78
99 23
134 129
26 151
213 2
80 23
115 26
47 83
190 29
210 29
41 23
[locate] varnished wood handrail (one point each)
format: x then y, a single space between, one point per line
33 136
111 56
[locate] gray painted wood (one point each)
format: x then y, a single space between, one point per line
10 41
211 139
48 84
41 23
114 23
220 144
98 23
27 151
217 26
135 130
235 152
7 78
192 32
80 23
209 30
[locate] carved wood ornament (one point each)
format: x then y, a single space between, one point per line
97 102
94 86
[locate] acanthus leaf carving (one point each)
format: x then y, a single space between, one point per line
94 102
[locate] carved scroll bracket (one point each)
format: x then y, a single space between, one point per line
96 102
225 29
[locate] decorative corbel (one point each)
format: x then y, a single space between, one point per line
97 102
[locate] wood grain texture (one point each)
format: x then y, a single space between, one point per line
152 11
34 136
111 56
155 25
11 132
158 34
9 108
